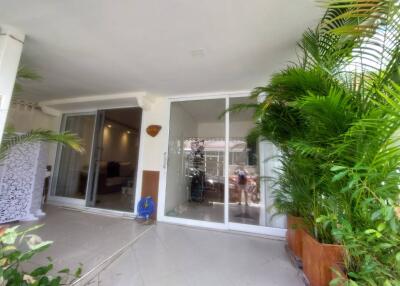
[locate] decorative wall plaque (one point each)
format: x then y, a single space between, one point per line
153 130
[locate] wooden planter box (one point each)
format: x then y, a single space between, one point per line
318 260
294 235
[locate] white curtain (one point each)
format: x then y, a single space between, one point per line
73 166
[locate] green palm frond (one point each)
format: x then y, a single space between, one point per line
374 27
370 148
25 73
326 51
327 116
295 82
305 148
11 139
294 195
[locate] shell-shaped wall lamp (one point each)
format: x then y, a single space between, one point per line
153 130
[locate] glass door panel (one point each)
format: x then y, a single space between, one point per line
91 197
252 169
195 170
115 158
73 167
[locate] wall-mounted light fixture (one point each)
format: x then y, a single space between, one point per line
109 125
153 130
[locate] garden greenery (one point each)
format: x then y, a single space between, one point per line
335 115
17 247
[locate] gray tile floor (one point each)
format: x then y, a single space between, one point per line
175 255
81 237
162 254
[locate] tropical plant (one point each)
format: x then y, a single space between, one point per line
335 117
368 166
13 139
19 246
24 74
13 241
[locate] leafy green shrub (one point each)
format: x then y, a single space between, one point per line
336 118
17 247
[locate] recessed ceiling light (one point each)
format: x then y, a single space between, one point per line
109 125
128 132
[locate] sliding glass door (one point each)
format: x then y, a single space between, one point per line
104 175
72 169
215 176
196 158
115 159
253 170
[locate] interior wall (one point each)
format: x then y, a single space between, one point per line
182 125
215 129
24 119
269 165
118 145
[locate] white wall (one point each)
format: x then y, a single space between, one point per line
152 148
24 119
217 129
118 145
269 166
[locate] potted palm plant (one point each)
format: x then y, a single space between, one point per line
292 199
335 117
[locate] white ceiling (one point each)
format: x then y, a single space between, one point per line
158 46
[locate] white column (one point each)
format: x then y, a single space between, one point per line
11 43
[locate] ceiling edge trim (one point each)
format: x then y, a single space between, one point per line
55 107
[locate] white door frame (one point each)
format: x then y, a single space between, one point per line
60 200
226 225
82 203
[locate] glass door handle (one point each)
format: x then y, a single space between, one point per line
165 160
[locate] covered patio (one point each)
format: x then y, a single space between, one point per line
117 251
257 141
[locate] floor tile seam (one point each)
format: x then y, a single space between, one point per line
97 269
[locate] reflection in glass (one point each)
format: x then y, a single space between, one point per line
195 176
252 169
117 159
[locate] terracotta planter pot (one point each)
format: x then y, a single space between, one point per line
294 235
3 229
318 260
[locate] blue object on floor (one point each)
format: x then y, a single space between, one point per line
145 207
